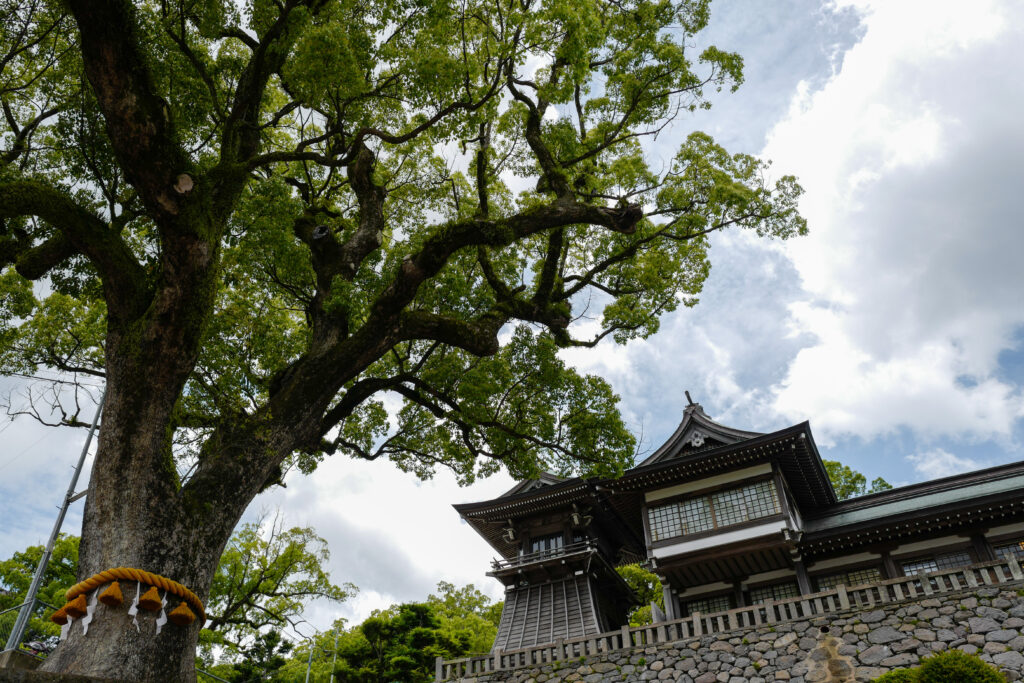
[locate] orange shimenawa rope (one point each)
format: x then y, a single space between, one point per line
129 574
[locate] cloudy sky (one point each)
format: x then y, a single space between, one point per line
896 327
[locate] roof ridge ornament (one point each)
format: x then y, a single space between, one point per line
697 432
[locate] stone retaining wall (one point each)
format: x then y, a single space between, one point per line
838 648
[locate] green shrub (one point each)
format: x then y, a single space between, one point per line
954 665
946 667
899 676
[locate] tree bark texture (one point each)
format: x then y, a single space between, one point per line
135 517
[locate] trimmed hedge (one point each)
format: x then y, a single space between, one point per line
946 667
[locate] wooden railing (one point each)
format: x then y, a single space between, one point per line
838 599
541 555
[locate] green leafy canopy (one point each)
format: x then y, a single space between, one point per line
366 227
849 483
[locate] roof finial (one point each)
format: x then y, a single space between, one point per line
688 399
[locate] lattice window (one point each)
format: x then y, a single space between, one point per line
550 544
717 603
664 521
716 510
1015 549
776 591
960 558
750 502
695 516
855 577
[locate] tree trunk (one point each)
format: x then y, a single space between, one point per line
136 516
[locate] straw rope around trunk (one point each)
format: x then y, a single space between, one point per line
142 576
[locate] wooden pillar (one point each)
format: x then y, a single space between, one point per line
670 605
982 548
737 594
889 568
803 582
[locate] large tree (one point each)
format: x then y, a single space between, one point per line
255 222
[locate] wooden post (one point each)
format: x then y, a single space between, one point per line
844 599
670 607
803 582
1015 570
891 571
982 548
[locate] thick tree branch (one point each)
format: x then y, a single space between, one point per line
241 136
123 278
367 236
22 134
479 337
139 126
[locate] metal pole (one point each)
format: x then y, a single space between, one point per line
309 664
30 599
334 658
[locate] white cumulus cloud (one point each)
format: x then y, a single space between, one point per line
941 463
911 274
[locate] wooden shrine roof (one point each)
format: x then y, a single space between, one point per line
950 503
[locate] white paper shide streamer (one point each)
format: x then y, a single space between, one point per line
133 611
162 619
87 619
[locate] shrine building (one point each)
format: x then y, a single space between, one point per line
726 518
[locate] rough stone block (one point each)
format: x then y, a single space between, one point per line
786 640
982 624
1001 636
874 654
1009 660
991 613
904 659
905 645
884 634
